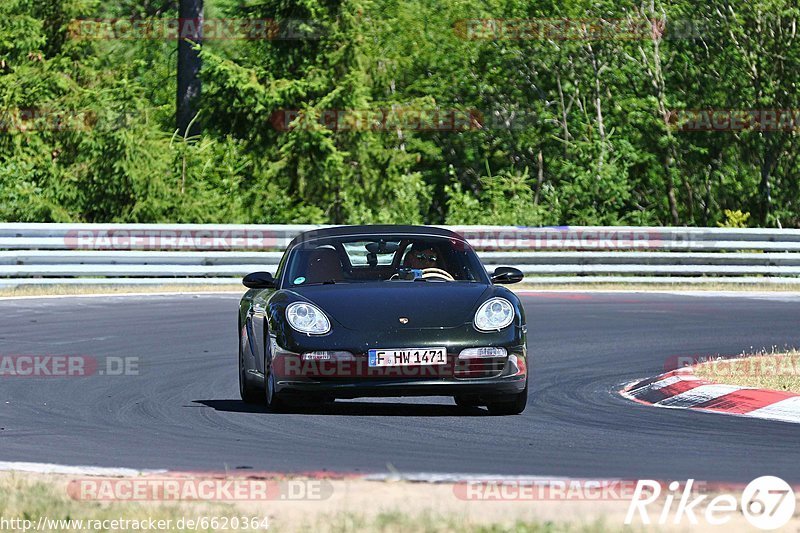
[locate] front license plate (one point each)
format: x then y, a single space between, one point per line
408 357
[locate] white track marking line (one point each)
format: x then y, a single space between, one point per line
413 477
434 477
48 468
698 395
122 294
759 295
526 292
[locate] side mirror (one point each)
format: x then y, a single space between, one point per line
259 280
507 275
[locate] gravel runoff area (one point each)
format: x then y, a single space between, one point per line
351 505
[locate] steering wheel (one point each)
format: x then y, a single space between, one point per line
429 273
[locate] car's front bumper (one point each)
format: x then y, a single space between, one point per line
351 376
482 388
346 374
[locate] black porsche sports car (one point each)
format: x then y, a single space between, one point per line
383 311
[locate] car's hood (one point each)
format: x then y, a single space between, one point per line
379 306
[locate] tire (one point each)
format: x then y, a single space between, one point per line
274 402
513 406
248 391
466 401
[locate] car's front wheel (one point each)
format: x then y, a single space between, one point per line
514 405
249 392
274 401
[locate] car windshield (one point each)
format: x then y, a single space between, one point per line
389 258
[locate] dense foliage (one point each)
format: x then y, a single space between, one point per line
567 130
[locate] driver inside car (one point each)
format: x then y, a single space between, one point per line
425 261
419 258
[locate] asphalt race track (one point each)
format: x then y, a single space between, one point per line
182 410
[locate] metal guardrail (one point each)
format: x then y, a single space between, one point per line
210 254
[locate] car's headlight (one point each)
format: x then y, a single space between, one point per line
494 314
307 318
